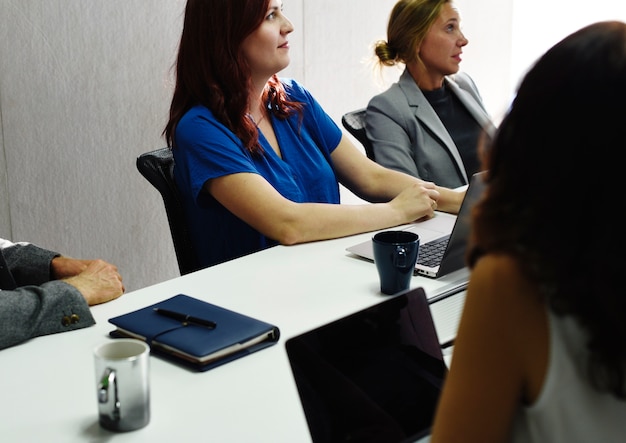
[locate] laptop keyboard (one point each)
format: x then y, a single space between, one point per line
430 253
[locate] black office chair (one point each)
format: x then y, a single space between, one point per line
354 122
157 167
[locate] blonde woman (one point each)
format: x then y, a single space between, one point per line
430 122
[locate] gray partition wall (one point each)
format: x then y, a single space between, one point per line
85 88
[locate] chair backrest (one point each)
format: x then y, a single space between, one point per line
158 168
354 122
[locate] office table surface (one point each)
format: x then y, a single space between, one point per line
48 390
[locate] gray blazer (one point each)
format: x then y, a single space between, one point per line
30 304
408 136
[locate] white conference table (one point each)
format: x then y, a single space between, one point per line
47 385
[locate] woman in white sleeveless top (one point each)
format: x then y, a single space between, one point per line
540 354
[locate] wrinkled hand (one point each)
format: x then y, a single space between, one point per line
98 282
64 267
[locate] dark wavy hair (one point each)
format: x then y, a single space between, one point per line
212 71
553 167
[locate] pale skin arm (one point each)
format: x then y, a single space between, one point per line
372 182
97 280
500 356
449 200
404 199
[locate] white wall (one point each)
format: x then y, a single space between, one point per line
84 89
539 24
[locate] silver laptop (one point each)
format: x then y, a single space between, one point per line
372 376
443 238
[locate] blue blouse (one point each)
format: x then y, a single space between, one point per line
207 149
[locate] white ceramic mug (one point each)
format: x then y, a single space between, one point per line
122 384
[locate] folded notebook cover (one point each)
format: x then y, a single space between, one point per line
194 344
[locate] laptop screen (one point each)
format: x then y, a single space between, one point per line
458 243
373 376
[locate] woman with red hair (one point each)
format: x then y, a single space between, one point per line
258 160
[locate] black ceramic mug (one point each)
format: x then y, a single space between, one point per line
395 254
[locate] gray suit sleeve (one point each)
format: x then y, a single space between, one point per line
32 311
386 120
31 305
27 263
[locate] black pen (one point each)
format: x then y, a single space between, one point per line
184 318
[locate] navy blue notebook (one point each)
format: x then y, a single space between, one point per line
195 333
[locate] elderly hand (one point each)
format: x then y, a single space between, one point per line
99 281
